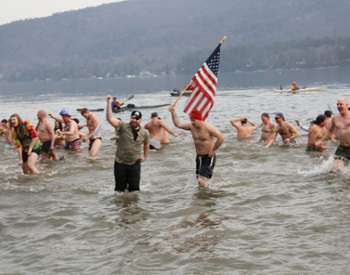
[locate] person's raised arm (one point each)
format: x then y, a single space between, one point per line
55 118
236 123
176 120
109 117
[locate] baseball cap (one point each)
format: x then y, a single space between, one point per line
64 112
136 114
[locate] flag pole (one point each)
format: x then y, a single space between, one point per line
183 90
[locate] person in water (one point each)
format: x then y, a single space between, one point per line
207 140
329 117
286 130
116 104
340 132
27 143
46 136
70 133
159 132
244 127
132 149
5 130
94 136
268 130
317 134
294 87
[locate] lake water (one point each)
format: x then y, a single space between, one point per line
267 211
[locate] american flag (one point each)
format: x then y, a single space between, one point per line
203 85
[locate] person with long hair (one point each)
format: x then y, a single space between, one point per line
27 143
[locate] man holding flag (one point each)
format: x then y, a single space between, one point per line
207 138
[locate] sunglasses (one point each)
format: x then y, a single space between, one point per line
136 118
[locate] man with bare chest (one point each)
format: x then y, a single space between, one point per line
287 132
159 132
46 136
207 139
268 131
341 132
70 132
94 125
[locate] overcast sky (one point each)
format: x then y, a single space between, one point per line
12 10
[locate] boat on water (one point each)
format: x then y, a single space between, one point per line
129 107
176 92
303 90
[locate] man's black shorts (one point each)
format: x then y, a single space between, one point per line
205 165
127 177
342 153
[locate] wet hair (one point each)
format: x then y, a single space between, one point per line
154 114
4 121
244 120
76 120
319 119
265 115
328 113
83 110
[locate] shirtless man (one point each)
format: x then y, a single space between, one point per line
341 132
159 132
207 139
94 125
46 136
317 135
294 87
268 131
244 127
287 132
70 132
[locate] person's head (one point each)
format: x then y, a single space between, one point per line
294 83
114 98
84 112
265 117
320 120
328 113
4 122
342 106
244 121
135 119
41 114
15 120
154 115
279 118
77 121
65 115
196 117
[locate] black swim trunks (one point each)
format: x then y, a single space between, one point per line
46 147
127 177
205 166
342 153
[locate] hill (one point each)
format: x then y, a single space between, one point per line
163 36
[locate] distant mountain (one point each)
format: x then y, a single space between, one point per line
171 36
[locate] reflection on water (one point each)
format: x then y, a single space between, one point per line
267 211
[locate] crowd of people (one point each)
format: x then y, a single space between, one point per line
134 141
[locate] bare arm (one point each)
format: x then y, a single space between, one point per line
176 120
145 150
110 119
56 118
332 131
218 135
235 124
294 131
